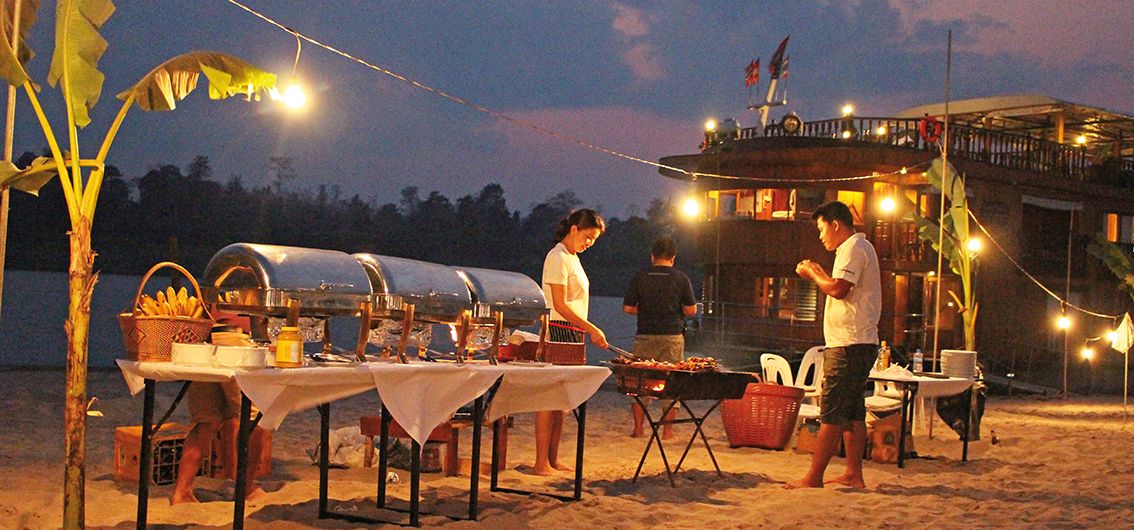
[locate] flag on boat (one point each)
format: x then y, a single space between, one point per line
776 65
752 73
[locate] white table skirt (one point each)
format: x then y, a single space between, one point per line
530 388
928 387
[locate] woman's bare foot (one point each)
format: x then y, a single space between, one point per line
802 483
848 481
182 498
545 471
562 467
666 434
637 433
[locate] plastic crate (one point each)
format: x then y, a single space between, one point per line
765 417
167 445
569 353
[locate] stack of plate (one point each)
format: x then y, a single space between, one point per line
959 363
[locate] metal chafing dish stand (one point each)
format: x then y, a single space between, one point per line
268 281
501 298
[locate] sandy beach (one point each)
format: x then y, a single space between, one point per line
1056 464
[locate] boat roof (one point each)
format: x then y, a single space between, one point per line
1037 116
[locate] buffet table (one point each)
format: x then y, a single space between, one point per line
419 396
927 386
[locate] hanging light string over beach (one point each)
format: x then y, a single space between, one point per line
1062 302
693 175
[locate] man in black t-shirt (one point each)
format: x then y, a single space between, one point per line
662 297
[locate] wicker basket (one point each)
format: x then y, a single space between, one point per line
569 353
765 417
151 338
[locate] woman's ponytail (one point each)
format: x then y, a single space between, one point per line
583 219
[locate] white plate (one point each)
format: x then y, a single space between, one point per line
241 356
200 354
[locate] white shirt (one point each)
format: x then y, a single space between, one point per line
564 268
854 319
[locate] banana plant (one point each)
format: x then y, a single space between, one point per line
953 247
74 72
1116 259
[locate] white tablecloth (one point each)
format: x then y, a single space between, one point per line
529 388
928 387
420 396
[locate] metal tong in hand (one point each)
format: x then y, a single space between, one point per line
623 353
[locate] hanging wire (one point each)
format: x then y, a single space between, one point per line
1064 304
693 175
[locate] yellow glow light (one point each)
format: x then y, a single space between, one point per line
846 134
710 125
932 273
1063 322
1087 352
691 208
887 205
293 95
903 171
848 109
1111 336
1081 139
974 245
881 131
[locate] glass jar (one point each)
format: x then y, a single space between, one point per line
289 348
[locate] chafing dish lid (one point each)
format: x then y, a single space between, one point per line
516 295
263 277
437 292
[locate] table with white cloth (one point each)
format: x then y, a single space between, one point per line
532 387
928 386
419 396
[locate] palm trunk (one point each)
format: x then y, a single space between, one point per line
81 286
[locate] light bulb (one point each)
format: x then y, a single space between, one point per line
691 207
293 95
710 125
1063 322
1087 352
887 205
848 109
881 131
974 244
1111 336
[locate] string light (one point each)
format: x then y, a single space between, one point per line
848 109
974 245
1087 352
887 205
691 208
1063 322
293 95
710 125
1081 139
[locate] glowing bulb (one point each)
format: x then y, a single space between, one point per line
710 125
974 245
293 95
881 131
903 171
691 207
887 205
848 109
1063 322
1087 352
1111 336
1081 139
846 134
932 273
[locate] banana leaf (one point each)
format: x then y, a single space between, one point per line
12 63
176 78
78 48
1116 259
29 179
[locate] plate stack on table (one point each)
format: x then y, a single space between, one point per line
959 363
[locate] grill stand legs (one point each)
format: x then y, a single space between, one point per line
655 425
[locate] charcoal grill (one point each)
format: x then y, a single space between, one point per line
678 387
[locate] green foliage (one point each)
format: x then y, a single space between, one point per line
171 81
78 48
31 179
1116 259
11 63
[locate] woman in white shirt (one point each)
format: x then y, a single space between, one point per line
567 292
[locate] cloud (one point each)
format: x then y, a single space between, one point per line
629 21
644 62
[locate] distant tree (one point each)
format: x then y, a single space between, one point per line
199 169
282 170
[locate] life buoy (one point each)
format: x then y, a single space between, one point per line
930 129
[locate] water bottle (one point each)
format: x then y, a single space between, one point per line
918 361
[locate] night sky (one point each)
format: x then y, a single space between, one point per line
637 77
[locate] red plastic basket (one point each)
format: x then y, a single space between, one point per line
765 417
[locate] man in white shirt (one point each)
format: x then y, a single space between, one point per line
850 331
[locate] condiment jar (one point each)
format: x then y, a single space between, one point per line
289 348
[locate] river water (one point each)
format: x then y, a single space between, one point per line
35 308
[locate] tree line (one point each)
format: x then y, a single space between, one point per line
168 214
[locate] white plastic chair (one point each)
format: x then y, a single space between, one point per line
812 365
775 369
887 397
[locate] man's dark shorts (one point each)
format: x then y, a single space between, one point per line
845 370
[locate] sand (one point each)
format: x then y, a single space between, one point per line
1057 463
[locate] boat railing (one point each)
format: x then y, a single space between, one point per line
998 148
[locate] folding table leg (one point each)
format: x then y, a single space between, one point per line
383 456
415 482
243 432
902 427
324 457
474 480
145 453
581 420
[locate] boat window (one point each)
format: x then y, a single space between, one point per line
769 204
786 299
1120 228
856 201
